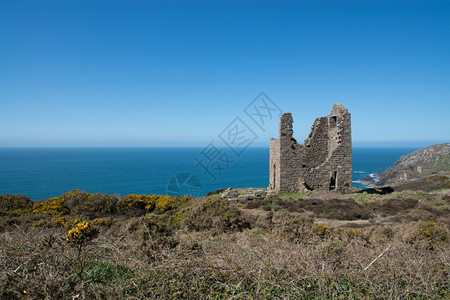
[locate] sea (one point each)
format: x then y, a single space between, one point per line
42 173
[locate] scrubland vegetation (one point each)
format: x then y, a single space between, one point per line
367 245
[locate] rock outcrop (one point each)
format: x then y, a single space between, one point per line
432 160
243 195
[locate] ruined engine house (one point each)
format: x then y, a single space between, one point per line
323 162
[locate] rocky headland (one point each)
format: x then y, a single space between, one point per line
425 162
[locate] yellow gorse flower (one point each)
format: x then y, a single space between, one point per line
322 229
150 203
99 221
52 206
178 218
81 233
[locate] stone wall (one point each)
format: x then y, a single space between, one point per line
274 177
324 162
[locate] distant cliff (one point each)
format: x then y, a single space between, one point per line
432 160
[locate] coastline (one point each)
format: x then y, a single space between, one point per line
369 181
45 173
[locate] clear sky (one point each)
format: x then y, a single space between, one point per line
176 73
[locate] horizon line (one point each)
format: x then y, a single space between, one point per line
364 145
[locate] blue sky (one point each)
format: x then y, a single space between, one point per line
176 73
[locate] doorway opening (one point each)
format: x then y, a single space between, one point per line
333 180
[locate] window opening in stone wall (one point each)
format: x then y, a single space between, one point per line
333 180
333 122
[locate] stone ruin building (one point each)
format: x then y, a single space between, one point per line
323 163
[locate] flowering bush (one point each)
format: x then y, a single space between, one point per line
165 203
322 230
81 234
148 203
135 203
178 218
77 202
100 221
434 231
52 206
217 215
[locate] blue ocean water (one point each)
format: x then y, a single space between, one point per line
41 173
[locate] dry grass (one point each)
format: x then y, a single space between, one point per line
208 248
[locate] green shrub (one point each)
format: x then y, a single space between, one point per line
106 273
74 200
161 229
214 214
99 204
91 205
292 227
15 205
433 231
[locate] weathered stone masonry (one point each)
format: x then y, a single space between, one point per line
323 163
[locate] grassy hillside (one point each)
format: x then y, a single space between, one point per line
370 244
